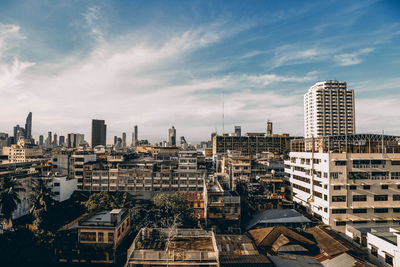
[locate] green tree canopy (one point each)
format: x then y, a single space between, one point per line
9 197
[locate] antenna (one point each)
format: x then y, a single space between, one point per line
223 113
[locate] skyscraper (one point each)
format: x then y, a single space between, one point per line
115 139
238 131
135 136
269 128
329 109
99 133
123 140
41 140
172 136
55 139
61 140
28 126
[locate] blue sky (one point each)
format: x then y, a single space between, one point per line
163 63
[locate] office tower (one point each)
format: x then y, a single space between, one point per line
41 138
48 141
123 140
115 139
61 140
99 133
329 109
269 128
172 136
79 139
19 132
70 140
28 126
3 140
238 131
135 136
55 140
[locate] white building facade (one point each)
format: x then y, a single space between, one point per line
329 109
358 189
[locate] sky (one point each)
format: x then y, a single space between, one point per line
161 63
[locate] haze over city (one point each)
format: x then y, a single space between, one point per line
162 63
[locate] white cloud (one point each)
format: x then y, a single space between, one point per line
352 58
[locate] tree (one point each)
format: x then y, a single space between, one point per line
108 200
41 199
9 198
173 209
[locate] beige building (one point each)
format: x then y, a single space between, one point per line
357 185
22 152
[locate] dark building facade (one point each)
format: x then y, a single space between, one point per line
99 133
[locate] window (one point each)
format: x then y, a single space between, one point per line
384 186
338 211
355 211
352 187
338 198
374 251
389 259
110 237
380 197
381 210
340 163
100 237
88 236
359 198
366 187
334 175
340 223
336 187
396 210
396 197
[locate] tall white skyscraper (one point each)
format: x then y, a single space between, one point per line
329 109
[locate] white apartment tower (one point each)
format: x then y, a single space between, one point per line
329 109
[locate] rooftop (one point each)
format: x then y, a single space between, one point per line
277 217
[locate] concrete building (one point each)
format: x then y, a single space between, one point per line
41 141
329 109
135 136
124 140
269 128
63 187
177 247
77 160
97 237
99 133
251 144
22 152
61 140
3 140
384 246
75 140
347 180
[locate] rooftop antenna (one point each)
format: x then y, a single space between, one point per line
223 113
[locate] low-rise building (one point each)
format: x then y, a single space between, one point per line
173 247
23 151
93 238
63 187
384 247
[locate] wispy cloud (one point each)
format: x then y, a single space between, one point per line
348 59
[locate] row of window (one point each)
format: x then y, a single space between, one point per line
365 210
365 187
358 198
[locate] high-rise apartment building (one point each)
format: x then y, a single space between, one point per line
329 109
61 140
28 126
172 136
99 133
269 128
41 140
55 140
74 140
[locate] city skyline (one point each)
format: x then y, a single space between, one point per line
109 61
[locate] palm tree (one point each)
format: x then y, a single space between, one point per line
9 197
41 199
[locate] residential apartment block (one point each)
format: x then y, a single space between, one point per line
329 109
348 180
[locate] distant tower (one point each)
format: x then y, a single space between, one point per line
61 140
115 139
123 140
269 128
49 138
238 131
99 133
135 136
172 136
41 140
28 126
55 139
